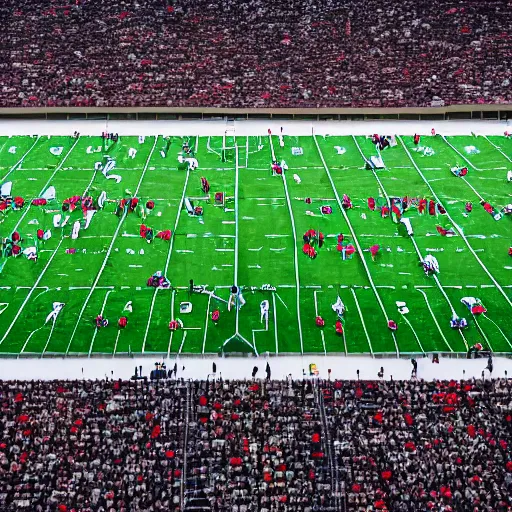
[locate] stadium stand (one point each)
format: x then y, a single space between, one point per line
244 446
256 53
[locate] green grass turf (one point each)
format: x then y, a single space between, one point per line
112 263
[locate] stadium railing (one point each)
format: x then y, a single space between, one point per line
452 112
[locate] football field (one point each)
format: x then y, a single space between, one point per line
251 235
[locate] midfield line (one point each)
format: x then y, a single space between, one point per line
109 250
455 225
20 161
356 242
295 250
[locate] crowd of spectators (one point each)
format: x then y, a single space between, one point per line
255 53
419 446
256 446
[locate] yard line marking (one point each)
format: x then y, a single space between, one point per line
482 333
374 173
246 151
172 318
115 344
295 253
28 339
109 250
455 225
499 329
96 330
356 241
182 343
413 331
57 169
321 330
27 298
206 322
169 253
20 161
362 320
435 321
49 338
460 154
275 322
497 147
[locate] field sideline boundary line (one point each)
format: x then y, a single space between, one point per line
356 241
20 161
454 224
109 250
295 252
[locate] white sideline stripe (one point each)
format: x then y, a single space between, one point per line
455 225
356 241
362 320
167 261
57 169
101 313
20 161
29 294
295 251
109 250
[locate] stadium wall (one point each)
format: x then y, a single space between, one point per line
452 112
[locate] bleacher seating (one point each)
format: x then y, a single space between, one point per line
255 53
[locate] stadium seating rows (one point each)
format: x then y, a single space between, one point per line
255 53
265 446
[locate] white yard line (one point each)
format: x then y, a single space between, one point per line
460 154
362 320
374 173
455 225
321 330
295 252
167 261
436 279
96 330
49 338
275 322
246 151
498 148
172 318
413 331
356 242
20 161
206 322
117 340
499 329
109 250
480 330
57 169
34 287
435 321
